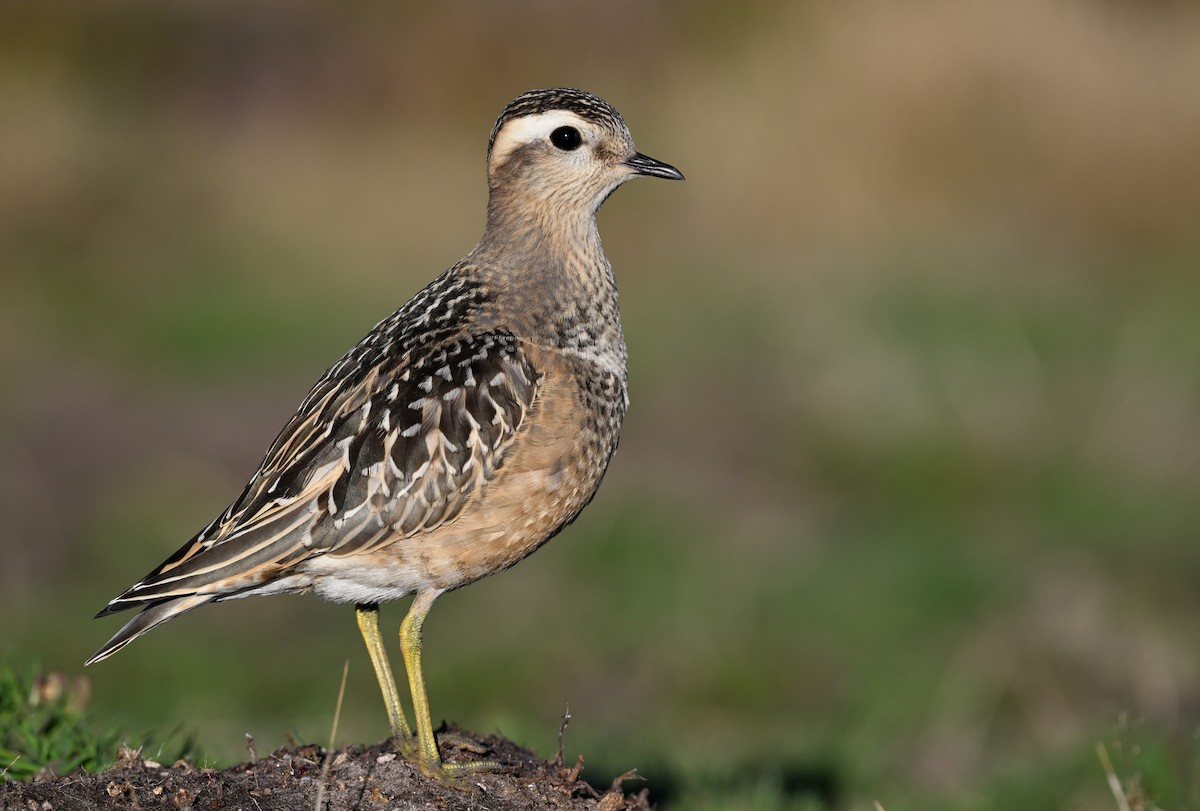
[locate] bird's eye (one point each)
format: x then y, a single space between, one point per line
567 139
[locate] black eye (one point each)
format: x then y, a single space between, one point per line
567 139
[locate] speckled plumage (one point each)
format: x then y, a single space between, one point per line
465 429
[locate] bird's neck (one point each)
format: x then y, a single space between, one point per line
546 263
554 224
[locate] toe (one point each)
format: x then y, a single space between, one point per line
457 775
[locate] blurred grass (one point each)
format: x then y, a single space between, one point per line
906 497
46 728
43 731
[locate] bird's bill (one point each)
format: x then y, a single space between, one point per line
648 166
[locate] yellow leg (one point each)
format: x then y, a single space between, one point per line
429 759
368 624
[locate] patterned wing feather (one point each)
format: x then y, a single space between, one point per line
390 453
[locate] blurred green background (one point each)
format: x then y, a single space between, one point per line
907 501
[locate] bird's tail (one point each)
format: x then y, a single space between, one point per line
150 616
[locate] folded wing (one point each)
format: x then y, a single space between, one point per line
387 450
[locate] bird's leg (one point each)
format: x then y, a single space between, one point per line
367 615
428 758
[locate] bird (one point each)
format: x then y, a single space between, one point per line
463 432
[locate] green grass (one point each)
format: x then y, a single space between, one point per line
45 730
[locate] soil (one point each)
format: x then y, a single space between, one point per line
357 777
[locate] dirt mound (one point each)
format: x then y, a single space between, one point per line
357 778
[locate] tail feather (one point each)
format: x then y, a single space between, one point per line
152 615
115 607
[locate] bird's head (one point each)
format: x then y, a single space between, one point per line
564 148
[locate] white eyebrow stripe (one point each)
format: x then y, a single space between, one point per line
529 128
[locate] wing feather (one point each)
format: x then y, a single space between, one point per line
397 454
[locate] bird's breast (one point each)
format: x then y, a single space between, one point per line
552 470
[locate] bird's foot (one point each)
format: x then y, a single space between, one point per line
452 775
457 775
406 745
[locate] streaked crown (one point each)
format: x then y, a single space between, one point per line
535 102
